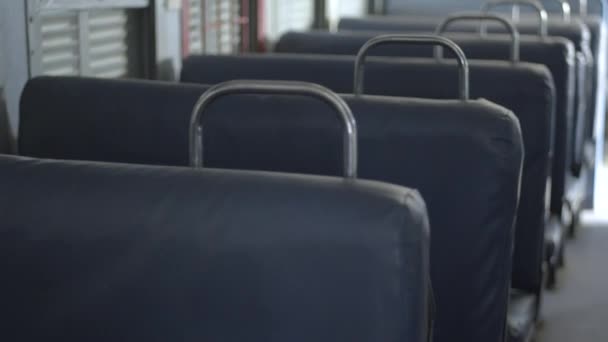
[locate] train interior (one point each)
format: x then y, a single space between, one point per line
304 170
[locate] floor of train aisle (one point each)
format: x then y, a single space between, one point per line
578 309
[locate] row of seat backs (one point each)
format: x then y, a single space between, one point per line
576 30
464 157
524 88
557 54
593 8
587 42
596 25
100 252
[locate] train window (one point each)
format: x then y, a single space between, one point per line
337 9
282 16
192 18
212 26
222 26
84 41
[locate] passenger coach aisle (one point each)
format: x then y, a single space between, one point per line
578 310
112 252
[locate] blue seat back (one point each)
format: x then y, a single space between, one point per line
526 89
464 157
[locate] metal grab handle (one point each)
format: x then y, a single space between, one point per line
543 29
276 87
482 17
566 10
583 8
412 39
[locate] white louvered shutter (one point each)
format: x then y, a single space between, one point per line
59 44
96 42
108 43
222 26
283 16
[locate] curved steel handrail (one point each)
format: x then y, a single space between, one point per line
275 87
542 13
412 39
515 46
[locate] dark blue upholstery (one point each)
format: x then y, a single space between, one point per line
597 29
464 158
5 132
524 88
575 31
585 41
555 53
109 252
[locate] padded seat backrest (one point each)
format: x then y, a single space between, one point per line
557 54
108 252
575 31
52 119
4 130
464 158
597 28
524 88
5 127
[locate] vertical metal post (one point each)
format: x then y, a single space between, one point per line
253 25
376 7
34 39
583 8
84 62
516 13
371 7
320 21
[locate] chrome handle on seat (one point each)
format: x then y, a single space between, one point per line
412 39
604 9
566 10
515 46
342 109
542 13
583 8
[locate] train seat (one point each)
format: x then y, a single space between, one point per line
557 54
449 150
525 88
113 252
